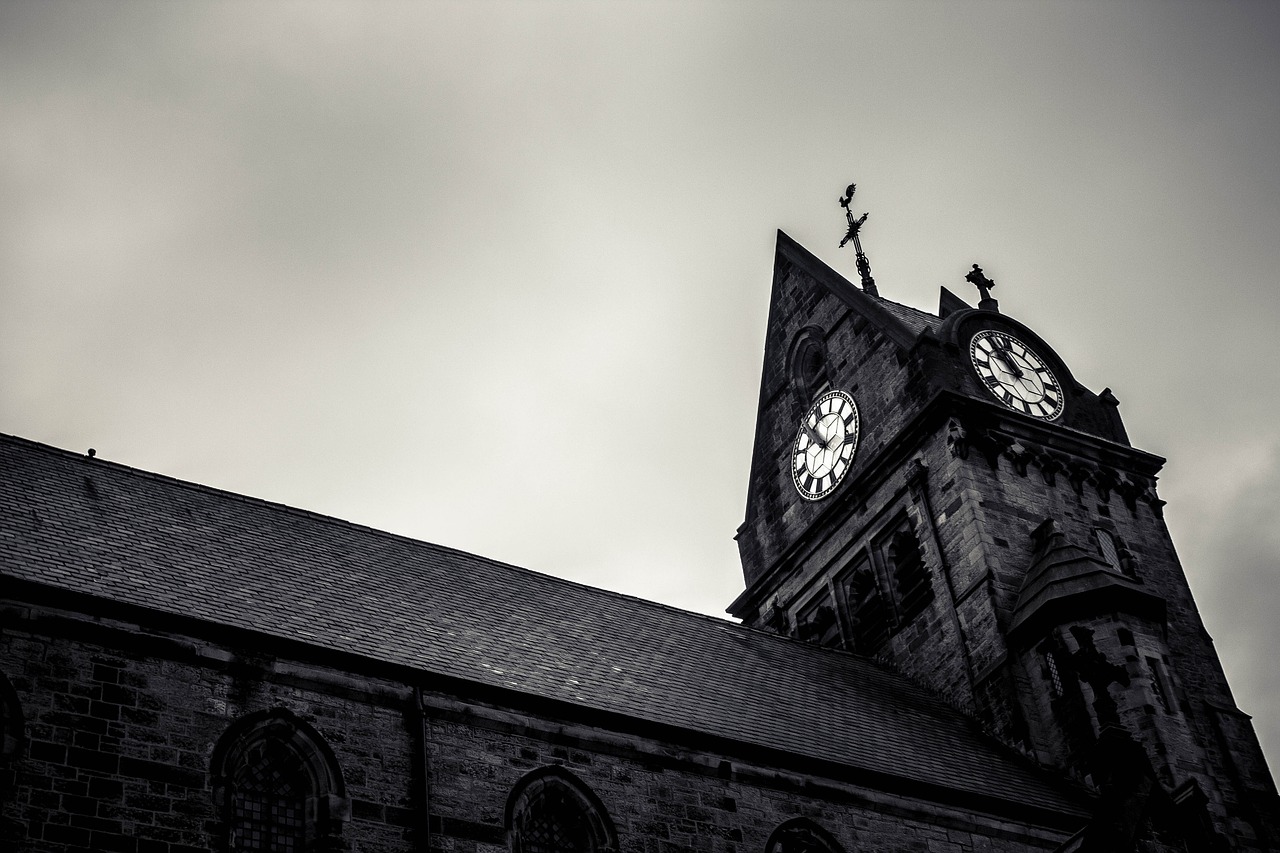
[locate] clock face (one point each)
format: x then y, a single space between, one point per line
825 443
1015 374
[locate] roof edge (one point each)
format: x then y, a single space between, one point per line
844 289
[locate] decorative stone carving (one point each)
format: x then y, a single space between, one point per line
1079 473
1105 480
992 445
1050 464
1020 456
1092 667
957 439
1130 491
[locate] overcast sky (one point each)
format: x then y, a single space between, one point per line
495 275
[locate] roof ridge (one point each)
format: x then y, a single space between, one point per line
905 305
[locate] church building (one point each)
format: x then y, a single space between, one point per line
964 629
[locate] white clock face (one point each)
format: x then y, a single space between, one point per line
825 444
1015 374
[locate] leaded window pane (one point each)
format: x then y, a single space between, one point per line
555 824
269 803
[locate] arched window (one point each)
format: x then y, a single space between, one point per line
550 811
816 622
801 835
278 785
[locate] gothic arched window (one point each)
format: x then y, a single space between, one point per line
278 785
816 622
550 811
801 835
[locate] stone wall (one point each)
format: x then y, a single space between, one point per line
122 722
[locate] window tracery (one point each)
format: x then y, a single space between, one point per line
278 785
550 811
816 622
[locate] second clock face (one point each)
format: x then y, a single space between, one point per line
1015 374
825 444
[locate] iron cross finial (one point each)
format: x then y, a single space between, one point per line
855 225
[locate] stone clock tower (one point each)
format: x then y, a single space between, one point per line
938 492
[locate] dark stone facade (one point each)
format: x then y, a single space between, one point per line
126 728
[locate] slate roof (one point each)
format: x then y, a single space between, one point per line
913 318
107 530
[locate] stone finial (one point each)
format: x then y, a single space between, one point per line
984 285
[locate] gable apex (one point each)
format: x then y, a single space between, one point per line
949 303
874 309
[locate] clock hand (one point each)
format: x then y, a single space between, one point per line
1006 355
814 435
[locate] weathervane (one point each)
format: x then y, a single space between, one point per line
855 225
984 285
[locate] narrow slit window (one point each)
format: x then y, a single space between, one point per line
1158 686
1055 678
1107 547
